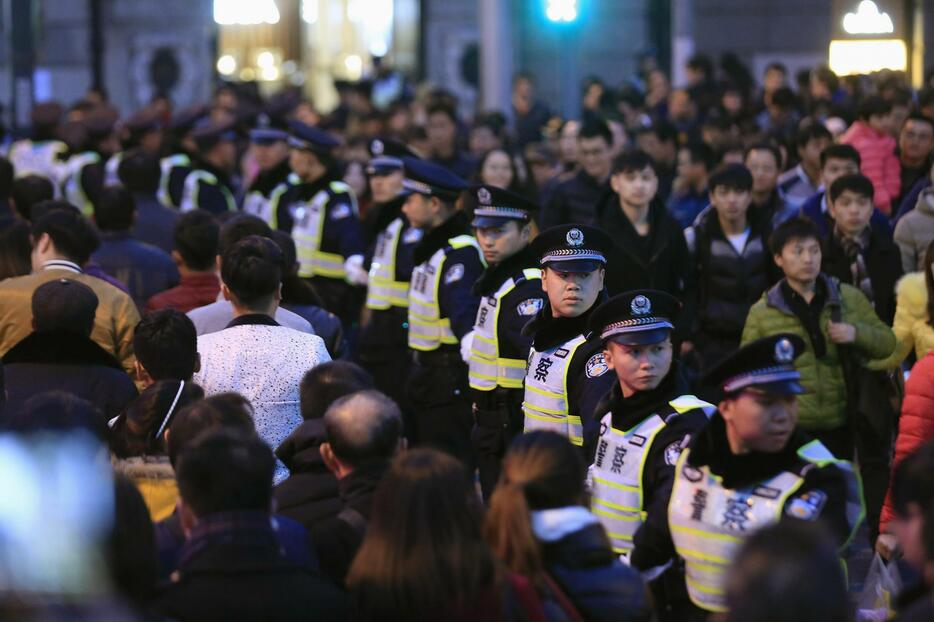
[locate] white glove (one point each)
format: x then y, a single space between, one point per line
466 346
353 266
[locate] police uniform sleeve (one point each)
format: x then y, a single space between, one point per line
92 180
211 197
284 220
344 222
461 269
588 382
822 498
519 307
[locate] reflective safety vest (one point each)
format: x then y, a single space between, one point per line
488 369
193 187
309 218
546 392
166 165
427 329
73 190
38 157
383 290
619 464
709 523
267 208
111 167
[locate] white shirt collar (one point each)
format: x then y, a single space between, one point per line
62 264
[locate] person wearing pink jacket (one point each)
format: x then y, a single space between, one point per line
872 137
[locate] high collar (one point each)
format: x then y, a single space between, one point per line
266 181
437 238
300 451
222 176
632 410
307 189
550 331
62 264
495 275
359 485
59 347
386 212
253 319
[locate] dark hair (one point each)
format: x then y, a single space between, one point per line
131 547
633 160
252 269
139 172
788 572
911 479
363 427
422 555
295 289
929 279
701 153
238 227
42 208
166 345
797 228
56 411
784 98
872 106
137 432
596 128
664 131
15 248
72 234
6 178
777 66
731 176
920 118
29 190
926 97
114 208
810 129
825 74
223 471
770 147
541 470
702 63
323 384
858 184
443 108
840 152
195 237
229 411
64 304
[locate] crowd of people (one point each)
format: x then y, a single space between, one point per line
401 363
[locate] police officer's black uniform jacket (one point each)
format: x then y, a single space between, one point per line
217 198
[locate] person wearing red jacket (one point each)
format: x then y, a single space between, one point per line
872 137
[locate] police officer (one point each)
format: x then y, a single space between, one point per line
209 185
142 130
84 171
442 309
176 166
511 293
321 214
383 344
42 153
749 467
274 177
645 420
567 374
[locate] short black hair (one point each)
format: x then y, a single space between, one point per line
6 178
731 176
226 472
811 129
596 128
911 479
444 108
114 209
776 66
840 152
701 153
238 227
797 228
72 234
64 305
166 345
920 118
770 147
633 160
663 130
858 183
872 106
702 63
784 98
324 384
30 190
195 237
252 269
139 172
222 411
58 411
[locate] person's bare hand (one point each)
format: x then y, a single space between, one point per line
686 347
886 546
841 333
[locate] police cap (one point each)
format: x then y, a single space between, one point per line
637 318
208 133
572 248
430 179
386 156
310 138
765 364
142 121
267 131
187 118
100 122
496 206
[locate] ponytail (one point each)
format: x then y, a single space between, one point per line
508 530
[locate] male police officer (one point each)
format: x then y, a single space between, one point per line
749 467
270 149
383 346
321 214
142 130
176 166
442 309
209 185
645 420
567 375
511 293
84 171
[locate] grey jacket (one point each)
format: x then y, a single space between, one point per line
915 230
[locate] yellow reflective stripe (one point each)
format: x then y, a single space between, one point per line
713 562
484 338
616 485
704 534
632 514
535 389
706 590
512 363
546 419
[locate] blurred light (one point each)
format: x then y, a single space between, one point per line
310 11
374 19
866 56
247 74
289 67
265 60
226 65
297 78
246 12
561 10
354 66
269 73
378 48
868 20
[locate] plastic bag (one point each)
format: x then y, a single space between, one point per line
882 585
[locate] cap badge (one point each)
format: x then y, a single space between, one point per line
784 351
640 305
483 196
575 237
377 147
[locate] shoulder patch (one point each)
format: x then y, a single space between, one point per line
530 306
340 212
412 235
596 366
806 506
454 273
673 451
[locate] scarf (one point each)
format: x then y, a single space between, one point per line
854 249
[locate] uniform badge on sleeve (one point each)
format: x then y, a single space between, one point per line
673 451
596 366
806 506
455 273
530 306
340 212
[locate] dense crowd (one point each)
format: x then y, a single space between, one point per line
670 360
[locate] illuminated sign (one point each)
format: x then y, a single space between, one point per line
561 10
849 57
868 20
246 12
